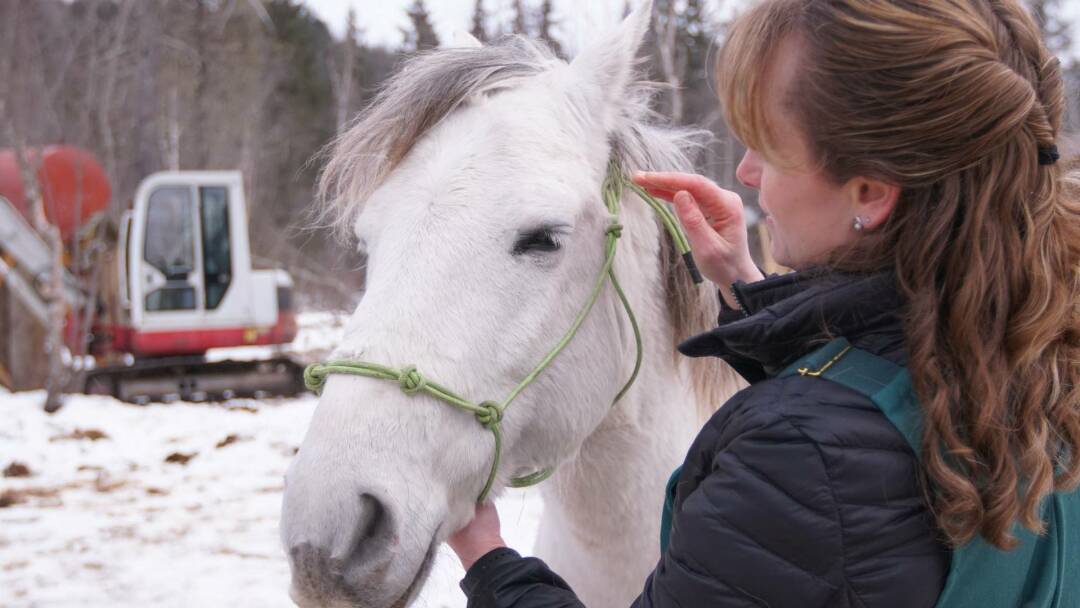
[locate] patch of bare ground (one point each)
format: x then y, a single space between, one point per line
47 497
230 439
9 498
17 469
180 457
78 434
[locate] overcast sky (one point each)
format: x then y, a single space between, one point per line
381 20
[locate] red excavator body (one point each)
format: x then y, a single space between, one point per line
171 281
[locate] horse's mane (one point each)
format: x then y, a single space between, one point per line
431 86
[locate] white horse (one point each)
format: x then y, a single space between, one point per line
473 186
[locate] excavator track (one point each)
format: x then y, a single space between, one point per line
195 379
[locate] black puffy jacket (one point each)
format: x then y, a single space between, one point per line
798 492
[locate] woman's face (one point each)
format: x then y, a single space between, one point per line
807 214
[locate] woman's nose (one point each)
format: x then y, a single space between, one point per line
749 170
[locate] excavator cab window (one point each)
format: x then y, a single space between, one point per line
217 255
170 248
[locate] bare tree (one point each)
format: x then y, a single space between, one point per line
54 294
23 69
199 142
112 60
342 79
666 29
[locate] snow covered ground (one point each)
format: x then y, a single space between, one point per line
166 505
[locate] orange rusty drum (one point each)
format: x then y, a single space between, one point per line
72 183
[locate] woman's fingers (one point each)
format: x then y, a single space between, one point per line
712 219
714 201
667 180
478 537
662 193
699 230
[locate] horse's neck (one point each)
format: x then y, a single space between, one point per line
622 467
602 510
601 522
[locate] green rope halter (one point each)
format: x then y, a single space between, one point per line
490 413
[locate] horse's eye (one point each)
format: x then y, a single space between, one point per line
541 240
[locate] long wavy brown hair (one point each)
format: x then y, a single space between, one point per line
952 100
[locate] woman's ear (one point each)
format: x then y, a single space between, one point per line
872 200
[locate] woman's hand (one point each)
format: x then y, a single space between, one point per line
714 223
478 537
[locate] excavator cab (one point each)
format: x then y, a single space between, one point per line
190 285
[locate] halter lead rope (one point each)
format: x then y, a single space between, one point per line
490 413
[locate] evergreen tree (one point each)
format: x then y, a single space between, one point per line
521 21
545 23
479 22
697 35
682 39
422 36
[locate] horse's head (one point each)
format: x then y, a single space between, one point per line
473 187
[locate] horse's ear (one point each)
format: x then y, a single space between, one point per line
607 66
463 39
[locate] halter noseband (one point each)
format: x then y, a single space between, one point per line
490 413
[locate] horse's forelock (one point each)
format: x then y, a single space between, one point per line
427 89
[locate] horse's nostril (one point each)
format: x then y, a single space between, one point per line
374 522
343 565
372 533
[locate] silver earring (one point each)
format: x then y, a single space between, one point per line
860 223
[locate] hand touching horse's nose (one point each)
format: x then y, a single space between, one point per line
478 537
713 220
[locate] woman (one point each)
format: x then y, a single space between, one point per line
904 151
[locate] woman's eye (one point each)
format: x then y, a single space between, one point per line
536 241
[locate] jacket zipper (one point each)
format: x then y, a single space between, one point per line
739 301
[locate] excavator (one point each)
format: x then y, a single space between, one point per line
148 296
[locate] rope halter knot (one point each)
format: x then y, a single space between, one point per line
490 414
315 377
410 380
614 229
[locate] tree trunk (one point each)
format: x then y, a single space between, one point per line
666 38
344 82
54 288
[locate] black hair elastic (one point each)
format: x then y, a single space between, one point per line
1048 156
